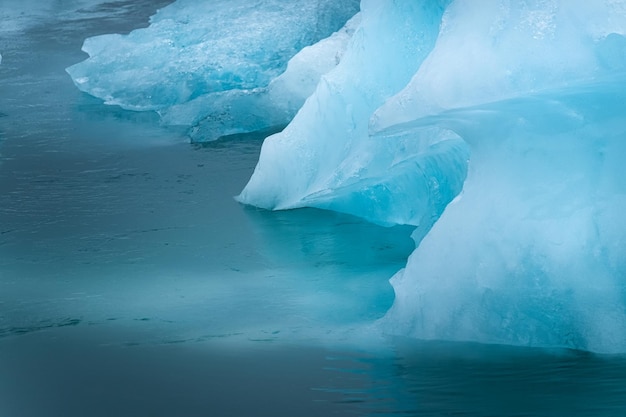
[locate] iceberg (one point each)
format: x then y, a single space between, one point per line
496 128
531 251
536 237
198 60
236 111
326 151
488 51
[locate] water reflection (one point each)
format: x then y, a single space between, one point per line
416 378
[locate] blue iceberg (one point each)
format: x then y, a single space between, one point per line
198 59
497 129
531 251
327 152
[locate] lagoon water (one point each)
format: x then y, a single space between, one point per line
133 284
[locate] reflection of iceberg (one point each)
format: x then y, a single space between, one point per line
202 58
335 275
531 252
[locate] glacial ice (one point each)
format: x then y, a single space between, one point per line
248 110
197 60
487 52
532 251
497 128
327 153
537 236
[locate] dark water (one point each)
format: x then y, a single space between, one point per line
132 284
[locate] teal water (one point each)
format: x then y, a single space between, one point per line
132 283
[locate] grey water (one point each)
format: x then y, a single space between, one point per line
133 284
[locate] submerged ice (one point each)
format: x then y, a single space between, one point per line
496 128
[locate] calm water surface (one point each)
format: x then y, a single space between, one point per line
132 284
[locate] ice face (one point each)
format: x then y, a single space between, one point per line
537 235
219 52
488 51
327 154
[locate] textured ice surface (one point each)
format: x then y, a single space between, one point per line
247 110
222 52
536 238
492 50
532 252
325 158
